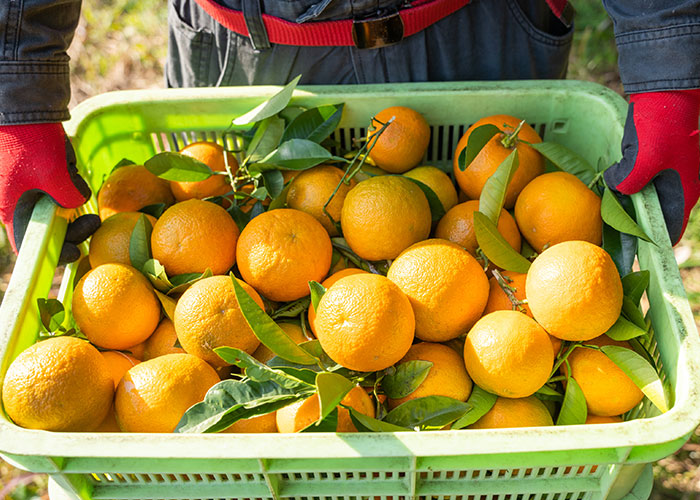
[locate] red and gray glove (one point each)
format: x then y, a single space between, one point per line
38 159
661 145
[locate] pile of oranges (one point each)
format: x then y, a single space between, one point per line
398 287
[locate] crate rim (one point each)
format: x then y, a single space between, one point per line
677 423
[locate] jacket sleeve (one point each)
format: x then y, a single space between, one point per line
658 43
34 73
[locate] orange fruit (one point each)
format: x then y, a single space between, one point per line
446 286
311 190
212 154
403 143
507 353
382 216
119 363
154 395
110 243
447 376
499 300
327 283
438 181
254 425
515 412
458 225
129 189
574 290
473 178
597 419
301 414
208 316
115 307
280 251
162 341
558 207
364 322
294 331
193 236
607 389
58 384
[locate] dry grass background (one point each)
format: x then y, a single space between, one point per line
121 44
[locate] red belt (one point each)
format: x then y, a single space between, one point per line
368 33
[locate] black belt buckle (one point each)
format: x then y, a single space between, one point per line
377 32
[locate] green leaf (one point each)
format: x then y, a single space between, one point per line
494 192
155 210
436 208
292 309
332 388
634 284
480 403
548 391
182 282
621 247
280 201
270 107
232 400
155 272
365 423
258 371
317 291
496 248
641 373
267 138
51 313
124 162
328 424
140 242
168 304
624 330
566 160
632 312
274 182
477 140
429 411
267 331
614 215
239 216
178 167
573 410
315 124
526 250
406 378
294 154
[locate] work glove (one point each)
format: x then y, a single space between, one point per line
661 144
38 159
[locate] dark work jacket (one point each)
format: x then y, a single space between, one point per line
658 43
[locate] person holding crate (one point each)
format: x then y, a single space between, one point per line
252 42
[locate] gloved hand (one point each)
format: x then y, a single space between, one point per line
35 159
661 144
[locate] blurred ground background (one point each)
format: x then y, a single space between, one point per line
121 44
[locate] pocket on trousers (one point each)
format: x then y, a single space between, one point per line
190 52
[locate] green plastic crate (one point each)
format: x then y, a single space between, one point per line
556 463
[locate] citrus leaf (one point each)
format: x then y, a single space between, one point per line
477 140
429 411
566 160
292 309
274 182
182 282
255 370
270 107
239 216
267 137
634 284
155 210
280 201
51 313
480 402
332 388
267 331
140 242
168 304
573 410
231 400
173 166
496 248
317 291
526 250
365 423
641 372
291 112
315 124
614 215
621 247
436 208
294 154
327 424
632 313
494 192
155 272
405 378
624 330
124 162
